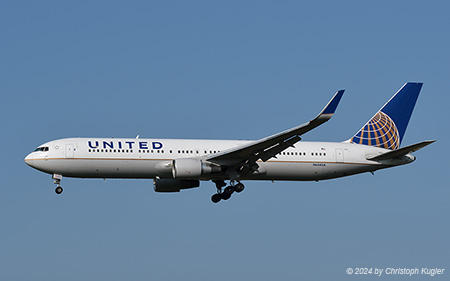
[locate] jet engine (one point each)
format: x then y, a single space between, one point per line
189 168
170 185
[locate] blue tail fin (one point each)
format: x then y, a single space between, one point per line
387 128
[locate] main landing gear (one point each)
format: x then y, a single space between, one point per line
228 191
57 181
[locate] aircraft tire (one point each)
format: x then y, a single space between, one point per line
59 190
216 198
239 187
225 196
229 190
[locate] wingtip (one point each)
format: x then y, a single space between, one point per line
330 108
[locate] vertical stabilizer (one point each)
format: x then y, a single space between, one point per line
387 128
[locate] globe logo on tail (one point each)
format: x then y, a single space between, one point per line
380 131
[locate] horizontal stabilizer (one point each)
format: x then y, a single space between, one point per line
401 151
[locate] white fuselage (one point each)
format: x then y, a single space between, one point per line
152 158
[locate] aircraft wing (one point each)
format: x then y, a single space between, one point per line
242 159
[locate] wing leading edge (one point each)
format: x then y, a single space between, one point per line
242 159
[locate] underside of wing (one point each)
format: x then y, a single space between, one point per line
242 160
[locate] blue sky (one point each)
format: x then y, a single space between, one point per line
220 70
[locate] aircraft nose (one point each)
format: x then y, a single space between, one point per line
28 159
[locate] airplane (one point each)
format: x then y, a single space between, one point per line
178 164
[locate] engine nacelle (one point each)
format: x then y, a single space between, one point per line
189 168
169 185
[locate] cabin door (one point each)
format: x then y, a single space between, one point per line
339 155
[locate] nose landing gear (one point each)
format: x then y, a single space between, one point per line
57 180
227 192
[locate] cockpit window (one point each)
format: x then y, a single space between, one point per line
42 148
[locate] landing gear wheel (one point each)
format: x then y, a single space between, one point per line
225 196
216 198
239 187
229 190
59 190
